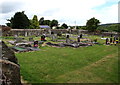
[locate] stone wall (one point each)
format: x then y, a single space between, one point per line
9 67
26 32
4 30
39 32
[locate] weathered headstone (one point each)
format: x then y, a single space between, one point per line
53 36
9 69
8 53
111 40
26 34
78 38
31 39
80 35
107 41
43 38
35 44
18 39
67 39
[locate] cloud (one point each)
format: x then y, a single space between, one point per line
65 11
108 14
119 12
9 6
82 11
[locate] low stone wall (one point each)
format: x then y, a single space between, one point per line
38 32
26 32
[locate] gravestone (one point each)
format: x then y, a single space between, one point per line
114 38
10 69
107 40
79 32
43 38
111 40
80 35
78 38
31 39
26 34
18 39
8 53
16 36
111 35
35 44
117 40
53 36
67 39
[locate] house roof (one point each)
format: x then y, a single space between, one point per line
44 26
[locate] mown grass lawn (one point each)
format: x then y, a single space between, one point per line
94 64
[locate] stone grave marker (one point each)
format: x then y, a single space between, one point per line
31 39
10 69
80 35
35 44
18 39
67 39
78 38
43 38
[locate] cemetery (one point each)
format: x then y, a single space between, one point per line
52 42
62 57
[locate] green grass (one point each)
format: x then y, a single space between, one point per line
95 64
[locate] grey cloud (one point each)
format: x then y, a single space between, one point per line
7 7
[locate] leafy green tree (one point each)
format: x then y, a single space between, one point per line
19 21
83 27
64 26
92 24
47 22
41 21
34 23
53 23
9 24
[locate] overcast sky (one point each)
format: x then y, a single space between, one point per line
65 11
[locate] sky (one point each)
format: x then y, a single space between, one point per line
71 12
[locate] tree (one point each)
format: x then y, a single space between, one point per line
53 23
41 21
92 24
34 23
10 22
64 26
47 22
19 21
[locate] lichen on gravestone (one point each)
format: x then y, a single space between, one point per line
8 54
9 69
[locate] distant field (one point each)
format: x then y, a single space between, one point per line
95 64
